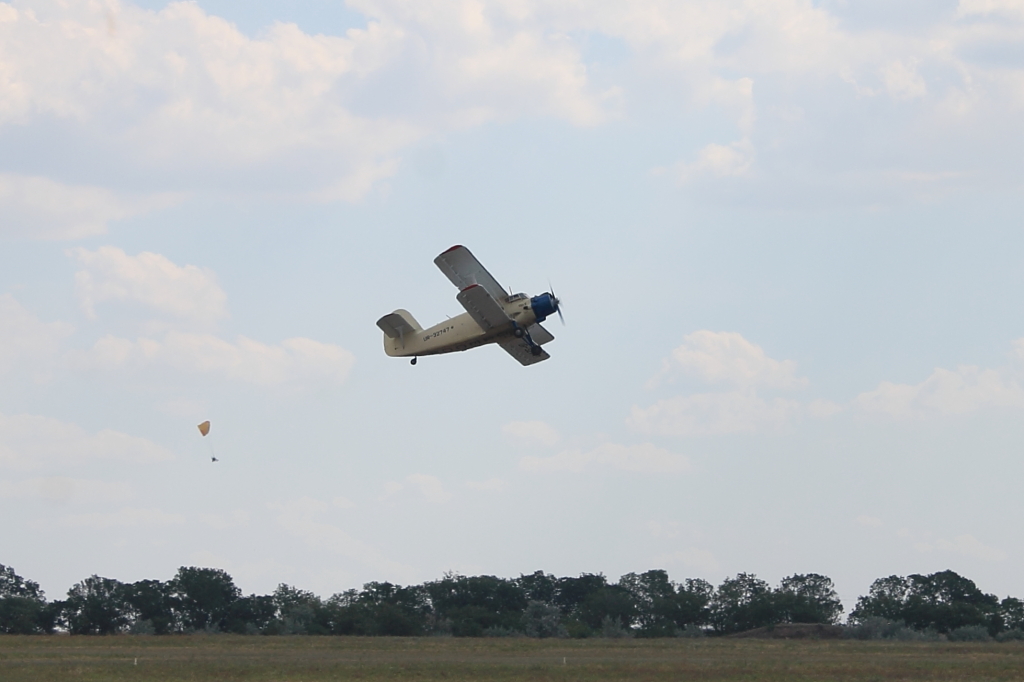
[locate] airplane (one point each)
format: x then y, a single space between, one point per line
492 316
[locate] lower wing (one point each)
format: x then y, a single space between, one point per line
521 350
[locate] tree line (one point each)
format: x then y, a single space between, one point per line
536 605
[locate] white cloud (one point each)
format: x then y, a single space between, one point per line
724 358
704 414
40 208
945 392
967 8
868 521
822 409
964 545
428 487
727 357
296 360
34 442
720 161
24 340
287 112
492 60
125 518
64 489
328 117
109 274
902 80
532 432
642 458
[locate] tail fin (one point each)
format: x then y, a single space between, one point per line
399 324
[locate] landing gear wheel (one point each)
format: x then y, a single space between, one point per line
519 333
535 350
413 361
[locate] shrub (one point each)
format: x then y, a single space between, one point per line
498 631
543 620
969 633
612 628
691 630
905 634
873 627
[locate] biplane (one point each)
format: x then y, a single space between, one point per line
492 315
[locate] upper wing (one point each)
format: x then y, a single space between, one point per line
464 270
520 350
483 308
540 335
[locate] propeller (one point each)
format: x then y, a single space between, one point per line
558 304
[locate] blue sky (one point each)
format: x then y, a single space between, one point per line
786 234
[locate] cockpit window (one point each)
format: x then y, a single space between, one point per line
516 297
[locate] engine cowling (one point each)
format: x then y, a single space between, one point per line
543 306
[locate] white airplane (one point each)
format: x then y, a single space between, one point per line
492 316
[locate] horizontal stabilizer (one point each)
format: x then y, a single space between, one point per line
398 325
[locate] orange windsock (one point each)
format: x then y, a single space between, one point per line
204 428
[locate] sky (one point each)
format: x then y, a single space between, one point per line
786 235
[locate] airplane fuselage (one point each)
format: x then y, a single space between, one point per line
460 333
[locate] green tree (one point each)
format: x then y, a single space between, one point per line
694 598
13 585
947 601
1011 614
378 609
539 586
203 597
150 601
297 611
477 603
742 603
809 598
886 598
571 593
22 616
97 606
609 604
655 600
942 601
395 610
255 614
23 608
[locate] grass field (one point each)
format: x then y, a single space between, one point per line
309 659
